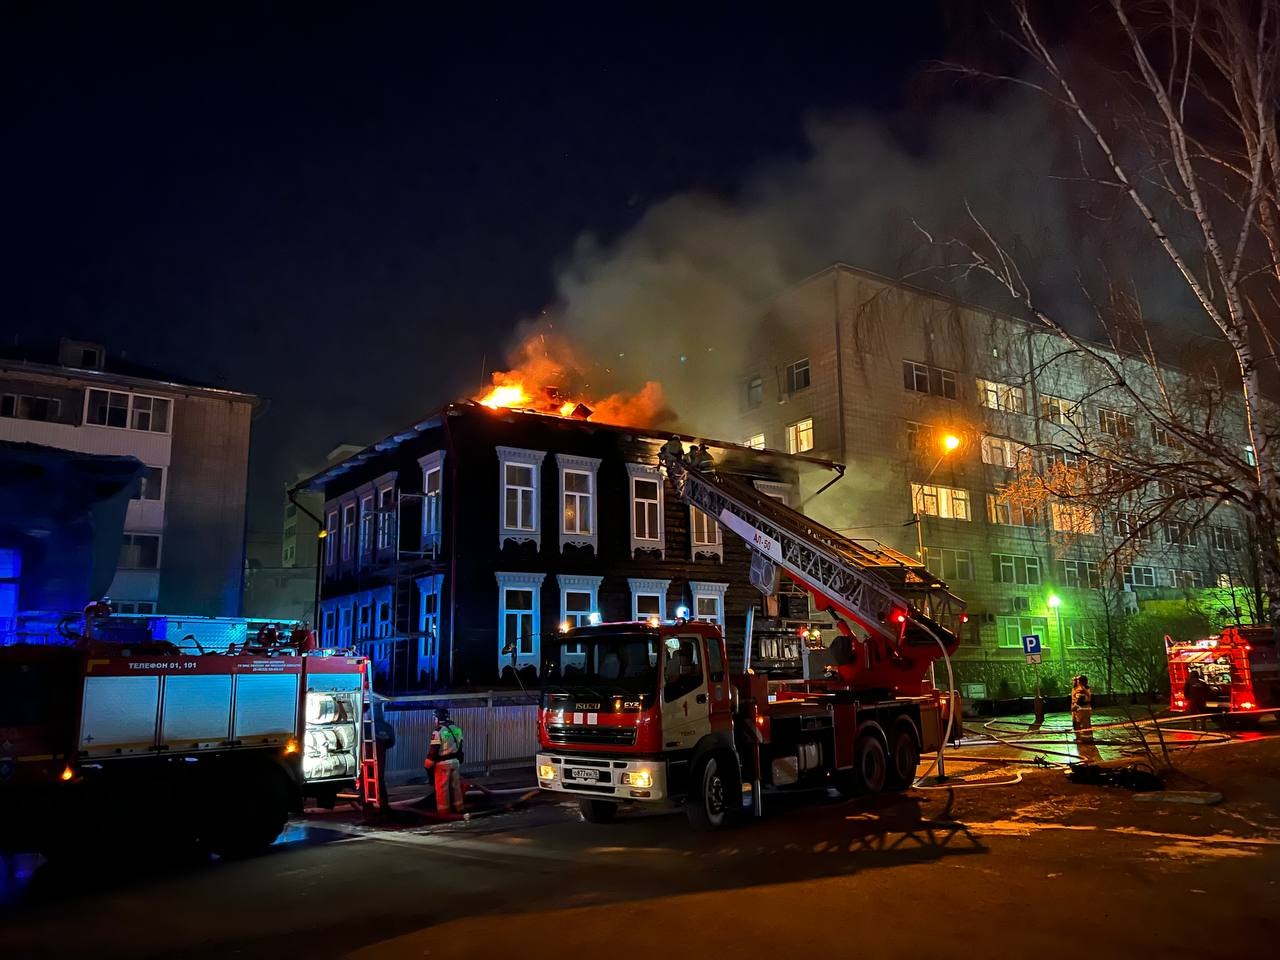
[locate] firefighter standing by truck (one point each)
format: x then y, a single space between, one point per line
444 760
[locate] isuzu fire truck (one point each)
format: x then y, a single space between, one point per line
651 713
103 745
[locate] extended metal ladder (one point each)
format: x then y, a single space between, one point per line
370 782
874 584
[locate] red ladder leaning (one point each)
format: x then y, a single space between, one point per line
370 782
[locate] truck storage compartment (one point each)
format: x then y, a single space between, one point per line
197 712
266 708
119 716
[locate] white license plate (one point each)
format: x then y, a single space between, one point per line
578 773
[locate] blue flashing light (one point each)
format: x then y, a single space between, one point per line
593 618
682 613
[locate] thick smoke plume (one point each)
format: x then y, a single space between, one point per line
675 299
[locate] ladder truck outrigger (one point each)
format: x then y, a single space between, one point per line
651 713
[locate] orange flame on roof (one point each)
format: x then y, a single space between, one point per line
550 377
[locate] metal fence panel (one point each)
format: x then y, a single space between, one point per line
495 734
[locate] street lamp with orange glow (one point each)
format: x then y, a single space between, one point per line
950 444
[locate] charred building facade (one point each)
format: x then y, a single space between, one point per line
479 531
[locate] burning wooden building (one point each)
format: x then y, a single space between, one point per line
484 528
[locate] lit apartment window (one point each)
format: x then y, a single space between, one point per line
755 392
1065 413
1072 518
648 598
1225 538
922 378
1012 568
1000 452
798 375
646 509
1061 460
348 532
331 537
1002 396
579 598
931 500
755 441
951 565
150 484
520 499
577 500
1011 630
1079 573
800 436
1116 424
1011 512
518 617
1139 575
139 551
30 408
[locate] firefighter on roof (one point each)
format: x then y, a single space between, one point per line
444 759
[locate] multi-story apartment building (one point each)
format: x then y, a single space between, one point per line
183 549
878 375
477 531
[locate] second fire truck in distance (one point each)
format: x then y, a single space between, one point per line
651 713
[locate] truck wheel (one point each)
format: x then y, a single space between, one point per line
871 763
904 758
597 811
249 819
716 796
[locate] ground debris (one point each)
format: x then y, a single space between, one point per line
1202 797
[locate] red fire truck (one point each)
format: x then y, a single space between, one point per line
1239 666
99 743
651 713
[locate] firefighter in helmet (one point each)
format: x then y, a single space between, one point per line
444 760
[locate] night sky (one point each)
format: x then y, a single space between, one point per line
345 210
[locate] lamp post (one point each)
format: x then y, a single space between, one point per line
950 443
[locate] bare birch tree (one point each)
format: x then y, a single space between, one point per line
1180 134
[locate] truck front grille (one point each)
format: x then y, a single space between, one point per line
615 736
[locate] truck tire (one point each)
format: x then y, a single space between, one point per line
871 762
597 811
251 814
716 795
904 757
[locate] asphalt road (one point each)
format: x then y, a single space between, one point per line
1037 868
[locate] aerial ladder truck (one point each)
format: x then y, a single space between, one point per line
651 713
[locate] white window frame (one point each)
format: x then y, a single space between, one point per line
129 410
1005 512
520 581
383 597
1017 561
1130 578
1001 452
346 624
1080 574
142 533
793 371
775 490
432 503
517 456
143 485
643 471
1116 424
576 583
350 530
797 433
366 518
1009 634
1059 411
642 587
711 543
589 467
1074 518
706 590
946 502
429 625
942 379
938 559
331 515
1004 397
754 442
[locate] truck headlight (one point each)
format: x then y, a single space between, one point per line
546 771
640 778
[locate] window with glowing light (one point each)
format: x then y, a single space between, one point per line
706 537
1001 452
755 441
647 531
1073 518
1012 513
1002 396
949 503
800 436
577 500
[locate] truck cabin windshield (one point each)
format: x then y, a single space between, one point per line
607 663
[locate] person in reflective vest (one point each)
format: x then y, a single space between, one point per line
444 759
